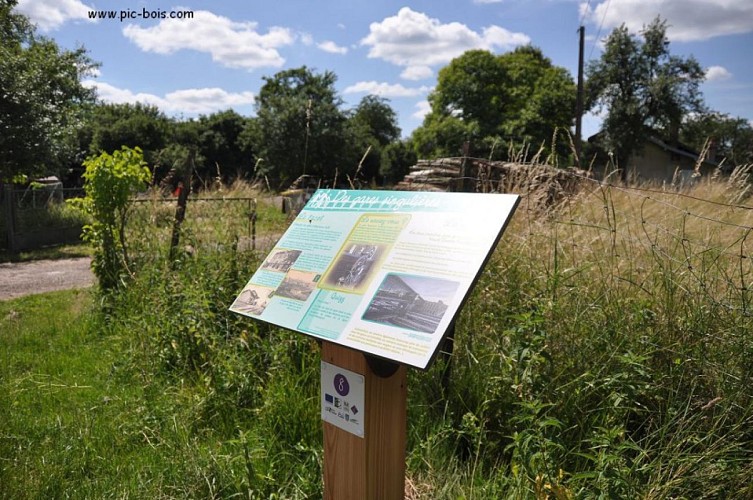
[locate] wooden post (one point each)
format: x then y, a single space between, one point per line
372 467
579 100
184 188
252 226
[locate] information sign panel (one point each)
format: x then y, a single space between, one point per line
383 272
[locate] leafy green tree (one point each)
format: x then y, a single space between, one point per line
132 125
301 126
396 160
224 152
41 97
373 124
377 117
483 98
474 88
644 90
541 98
727 139
443 136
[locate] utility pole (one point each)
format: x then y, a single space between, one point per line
579 99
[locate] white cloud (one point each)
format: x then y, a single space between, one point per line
51 14
422 109
687 20
332 48
188 101
417 73
306 39
413 39
717 74
385 89
207 100
230 43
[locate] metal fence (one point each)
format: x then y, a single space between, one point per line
37 217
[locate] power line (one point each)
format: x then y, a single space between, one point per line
585 11
601 25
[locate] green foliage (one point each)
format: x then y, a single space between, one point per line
301 125
594 359
643 88
379 120
132 125
443 136
40 98
723 137
373 124
225 151
110 181
518 97
396 160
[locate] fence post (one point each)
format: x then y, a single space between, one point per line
253 226
180 212
9 210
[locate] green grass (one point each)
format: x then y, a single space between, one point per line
80 418
605 353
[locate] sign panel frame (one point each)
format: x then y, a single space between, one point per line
382 272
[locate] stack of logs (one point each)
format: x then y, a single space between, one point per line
543 184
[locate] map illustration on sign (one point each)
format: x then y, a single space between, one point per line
383 272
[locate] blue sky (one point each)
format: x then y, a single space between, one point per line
217 60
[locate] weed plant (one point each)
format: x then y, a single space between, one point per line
604 353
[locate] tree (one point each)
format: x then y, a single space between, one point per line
443 135
474 88
40 98
519 96
378 118
396 160
643 88
132 125
727 139
542 99
223 151
372 124
301 126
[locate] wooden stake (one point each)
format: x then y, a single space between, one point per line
372 467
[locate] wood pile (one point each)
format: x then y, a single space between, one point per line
543 184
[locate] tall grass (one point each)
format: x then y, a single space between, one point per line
606 350
604 353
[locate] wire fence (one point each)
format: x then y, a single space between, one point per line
38 216
698 236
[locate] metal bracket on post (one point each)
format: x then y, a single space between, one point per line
381 367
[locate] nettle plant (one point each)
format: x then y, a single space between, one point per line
111 180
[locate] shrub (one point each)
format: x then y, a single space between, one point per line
111 179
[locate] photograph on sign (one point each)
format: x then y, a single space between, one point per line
383 272
413 302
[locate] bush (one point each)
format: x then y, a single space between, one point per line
110 180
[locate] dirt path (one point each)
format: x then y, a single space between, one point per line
26 278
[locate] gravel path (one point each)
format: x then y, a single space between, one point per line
26 278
